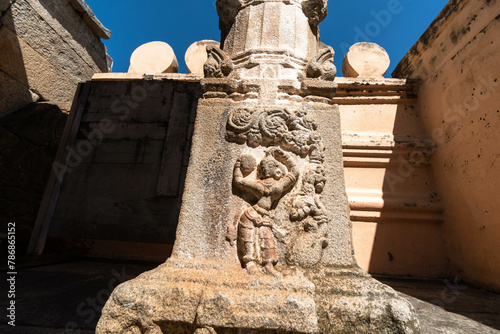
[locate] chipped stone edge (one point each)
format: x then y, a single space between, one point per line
145 76
90 19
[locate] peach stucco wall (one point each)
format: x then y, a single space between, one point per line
395 211
459 102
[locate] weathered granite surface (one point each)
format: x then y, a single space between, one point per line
326 297
264 240
78 288
365 60
47 48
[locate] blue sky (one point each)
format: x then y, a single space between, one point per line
394 24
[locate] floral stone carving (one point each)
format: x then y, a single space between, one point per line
322 66
293 130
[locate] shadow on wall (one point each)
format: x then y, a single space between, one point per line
29 139
72 23
409 239
409 236
127 164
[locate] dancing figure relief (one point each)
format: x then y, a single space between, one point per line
277 173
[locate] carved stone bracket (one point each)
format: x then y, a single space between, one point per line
322 66
315 10
218 64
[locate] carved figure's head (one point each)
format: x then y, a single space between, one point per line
271 168
320 179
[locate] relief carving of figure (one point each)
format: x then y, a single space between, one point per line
253 230
308 210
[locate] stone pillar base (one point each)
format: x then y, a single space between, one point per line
184 296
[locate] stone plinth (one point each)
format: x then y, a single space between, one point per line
186 296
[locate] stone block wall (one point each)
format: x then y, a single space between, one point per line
127 163
457 62
46 48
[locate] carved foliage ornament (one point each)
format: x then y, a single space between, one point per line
293 130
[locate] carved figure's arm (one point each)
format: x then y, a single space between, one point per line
240 181
292 166
291 177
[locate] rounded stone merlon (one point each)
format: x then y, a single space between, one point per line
153 58
196 55
366 60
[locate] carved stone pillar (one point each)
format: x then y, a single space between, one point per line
270 40
273 47
264 240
